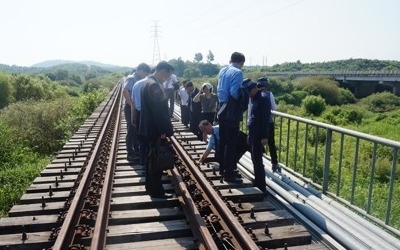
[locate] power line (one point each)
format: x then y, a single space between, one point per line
156 46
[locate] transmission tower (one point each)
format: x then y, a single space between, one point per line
156 48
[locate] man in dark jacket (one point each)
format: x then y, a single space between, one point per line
230 114
258 123
195 110
155 123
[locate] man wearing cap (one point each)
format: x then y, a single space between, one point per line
132 142
259 115
229 114
155 123
264 86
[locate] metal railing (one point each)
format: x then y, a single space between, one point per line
355 168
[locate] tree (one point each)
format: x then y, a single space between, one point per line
198 57
208 69
6 89
210 57
179 66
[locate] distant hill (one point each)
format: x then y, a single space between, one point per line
78 68
52 63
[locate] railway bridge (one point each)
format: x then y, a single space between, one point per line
361 83
338 189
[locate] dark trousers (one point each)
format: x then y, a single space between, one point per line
242 146
271 143
185 114
209 116
131 137
257 151
195 118
143 147
153 181
171 98
228 140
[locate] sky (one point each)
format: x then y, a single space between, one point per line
267 32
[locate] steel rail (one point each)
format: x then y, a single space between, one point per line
99 235
66 234
202 236
240 237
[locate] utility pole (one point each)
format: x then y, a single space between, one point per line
156 48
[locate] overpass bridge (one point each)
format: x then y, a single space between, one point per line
361 83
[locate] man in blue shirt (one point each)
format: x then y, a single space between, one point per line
135 116
230 114
206 128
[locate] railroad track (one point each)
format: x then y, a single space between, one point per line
90 197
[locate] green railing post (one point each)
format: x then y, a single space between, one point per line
327 162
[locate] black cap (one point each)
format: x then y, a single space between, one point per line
248 84
262 82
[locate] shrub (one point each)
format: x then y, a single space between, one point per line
346 97
36 123
343 116
314 105
321 86
381 102
298 96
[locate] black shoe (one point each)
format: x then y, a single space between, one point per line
162 196
132 158
233 179
276 168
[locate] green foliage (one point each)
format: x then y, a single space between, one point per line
298 96
36 88
210 57
191 72
346 97
44 126
179 66
208 69
6 90
314 105
320 86
37 123
18 168
198 57
339 65
287 98
31 130
381 102
344 116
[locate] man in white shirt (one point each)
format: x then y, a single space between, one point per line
169 86
183 96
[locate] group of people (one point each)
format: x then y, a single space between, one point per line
148 119
149 108
226 139
197 105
